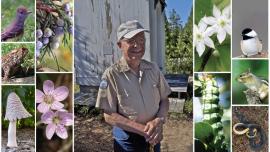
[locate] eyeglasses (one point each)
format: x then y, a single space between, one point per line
137 40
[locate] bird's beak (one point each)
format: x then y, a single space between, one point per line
29 12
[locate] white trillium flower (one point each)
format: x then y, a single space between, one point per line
201 37
220 23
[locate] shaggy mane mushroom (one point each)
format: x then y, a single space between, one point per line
14 110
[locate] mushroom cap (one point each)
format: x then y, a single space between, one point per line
15 109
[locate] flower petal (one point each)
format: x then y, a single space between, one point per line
228 28
216 12
210 20
227 11
210 31
202 26
50 130
221 35
66 118
39 96
60 93
200 47
57 105
209 42
47 117
48 86
61 131
43 107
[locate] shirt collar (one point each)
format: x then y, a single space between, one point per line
123 66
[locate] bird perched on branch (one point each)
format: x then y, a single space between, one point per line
16 28
251 44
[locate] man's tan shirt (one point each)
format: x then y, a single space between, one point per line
135 97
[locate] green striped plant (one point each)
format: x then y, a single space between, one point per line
209 134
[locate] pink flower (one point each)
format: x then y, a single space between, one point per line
51 97
56 123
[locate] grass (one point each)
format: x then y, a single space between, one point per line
8 14
29 59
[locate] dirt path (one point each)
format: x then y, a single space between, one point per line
93 134
177 136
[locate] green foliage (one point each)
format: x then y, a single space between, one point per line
64 58
204 132
220 58
211 132
27 96
188 107
8 14
29 61
257 67
178 44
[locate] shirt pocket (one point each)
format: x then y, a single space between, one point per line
127 105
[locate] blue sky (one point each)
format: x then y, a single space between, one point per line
182 7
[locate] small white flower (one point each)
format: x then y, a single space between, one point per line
220 23
201 37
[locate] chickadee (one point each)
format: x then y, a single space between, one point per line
250 45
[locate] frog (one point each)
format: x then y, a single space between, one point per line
12 61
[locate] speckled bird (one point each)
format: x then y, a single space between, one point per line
16 28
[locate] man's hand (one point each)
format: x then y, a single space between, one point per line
154 130
117 120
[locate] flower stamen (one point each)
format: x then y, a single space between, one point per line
56 120
48 99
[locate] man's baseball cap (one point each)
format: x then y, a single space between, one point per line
129 29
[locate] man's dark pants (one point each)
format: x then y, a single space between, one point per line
125 141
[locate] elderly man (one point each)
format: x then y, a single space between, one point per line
134 94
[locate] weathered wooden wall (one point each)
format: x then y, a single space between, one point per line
96 22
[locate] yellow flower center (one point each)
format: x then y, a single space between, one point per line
48 99
199 36
222 23
56 120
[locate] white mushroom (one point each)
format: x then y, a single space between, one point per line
14 110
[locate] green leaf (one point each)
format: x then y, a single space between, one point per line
202 8
216 63
204 132
221 4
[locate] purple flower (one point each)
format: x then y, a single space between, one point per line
45 40
39 45
48 32
39 33
67 7
56 123
51 97
59 30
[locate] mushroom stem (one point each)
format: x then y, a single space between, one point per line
12 142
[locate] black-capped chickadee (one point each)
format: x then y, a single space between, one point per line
250 45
